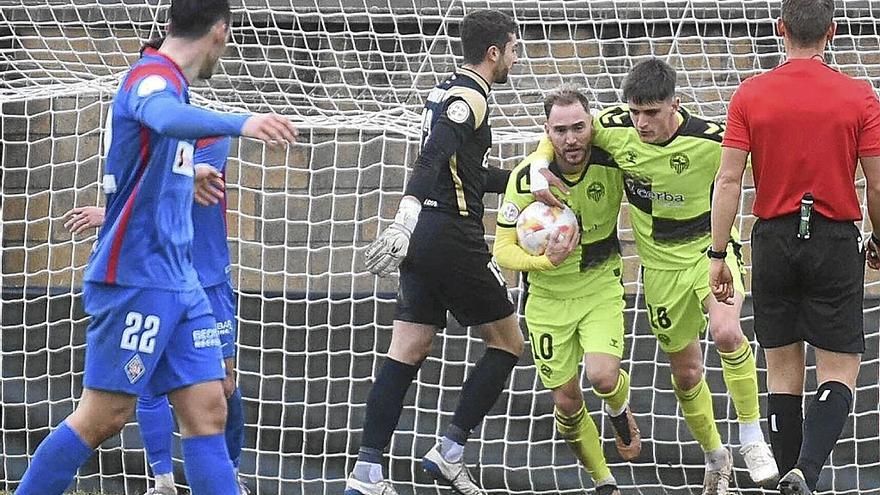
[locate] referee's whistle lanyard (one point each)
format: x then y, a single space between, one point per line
806 215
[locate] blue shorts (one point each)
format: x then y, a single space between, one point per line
149 341
222 299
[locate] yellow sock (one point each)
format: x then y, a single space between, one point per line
582 436
696 404
617 398
741 377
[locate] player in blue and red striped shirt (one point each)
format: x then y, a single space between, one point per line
212 267
152 329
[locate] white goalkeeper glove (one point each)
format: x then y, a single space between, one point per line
387 252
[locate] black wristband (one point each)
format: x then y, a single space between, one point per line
716 255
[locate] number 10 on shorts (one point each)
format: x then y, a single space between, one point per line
132 337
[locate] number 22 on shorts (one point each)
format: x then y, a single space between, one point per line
132 337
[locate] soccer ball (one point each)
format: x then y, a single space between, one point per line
537 221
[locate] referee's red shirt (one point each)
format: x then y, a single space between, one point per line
805 125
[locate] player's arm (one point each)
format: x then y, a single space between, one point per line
154 101
725 197
869 157
540 177
209 159
83 218
385 254
506 249
510 255
496 181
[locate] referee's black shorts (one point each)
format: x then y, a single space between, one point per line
808 290
449 267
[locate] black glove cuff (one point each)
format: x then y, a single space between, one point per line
716 255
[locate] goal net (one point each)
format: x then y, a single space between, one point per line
313 323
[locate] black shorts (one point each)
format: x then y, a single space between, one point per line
808 290
449 267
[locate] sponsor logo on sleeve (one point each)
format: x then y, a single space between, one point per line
509 212
151 84
458 111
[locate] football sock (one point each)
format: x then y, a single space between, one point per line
482 388
822 426
617 399
234 427
368 472
750 433
696 406
166 482
741 377
580 433
786 425
452 443
157 429
615 405
55 463
208 468
383 407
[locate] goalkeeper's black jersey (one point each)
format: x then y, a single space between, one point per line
457 112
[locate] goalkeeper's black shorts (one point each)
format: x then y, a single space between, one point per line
449 268
808 290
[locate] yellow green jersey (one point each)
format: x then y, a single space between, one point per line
595 196
668 185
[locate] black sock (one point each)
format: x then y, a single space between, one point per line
785 416
384 406
822 427
621 426
482 388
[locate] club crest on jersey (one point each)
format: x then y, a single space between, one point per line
458 111
596 191
509 212
135 369
679 162
183 159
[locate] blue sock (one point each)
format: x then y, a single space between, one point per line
234 427
208 468
55 463
157 429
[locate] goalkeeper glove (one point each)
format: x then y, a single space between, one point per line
387 252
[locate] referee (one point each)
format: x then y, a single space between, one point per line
806 127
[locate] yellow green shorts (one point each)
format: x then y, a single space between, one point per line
675 299
561 331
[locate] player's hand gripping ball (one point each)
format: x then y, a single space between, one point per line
535 224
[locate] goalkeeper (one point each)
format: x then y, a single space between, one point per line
447 266
669 160
575 304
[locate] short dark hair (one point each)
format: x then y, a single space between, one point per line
807 21
154 43
482 29
567 94
650 81
192 19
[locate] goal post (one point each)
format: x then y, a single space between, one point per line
353 76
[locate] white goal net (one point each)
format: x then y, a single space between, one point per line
353 75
